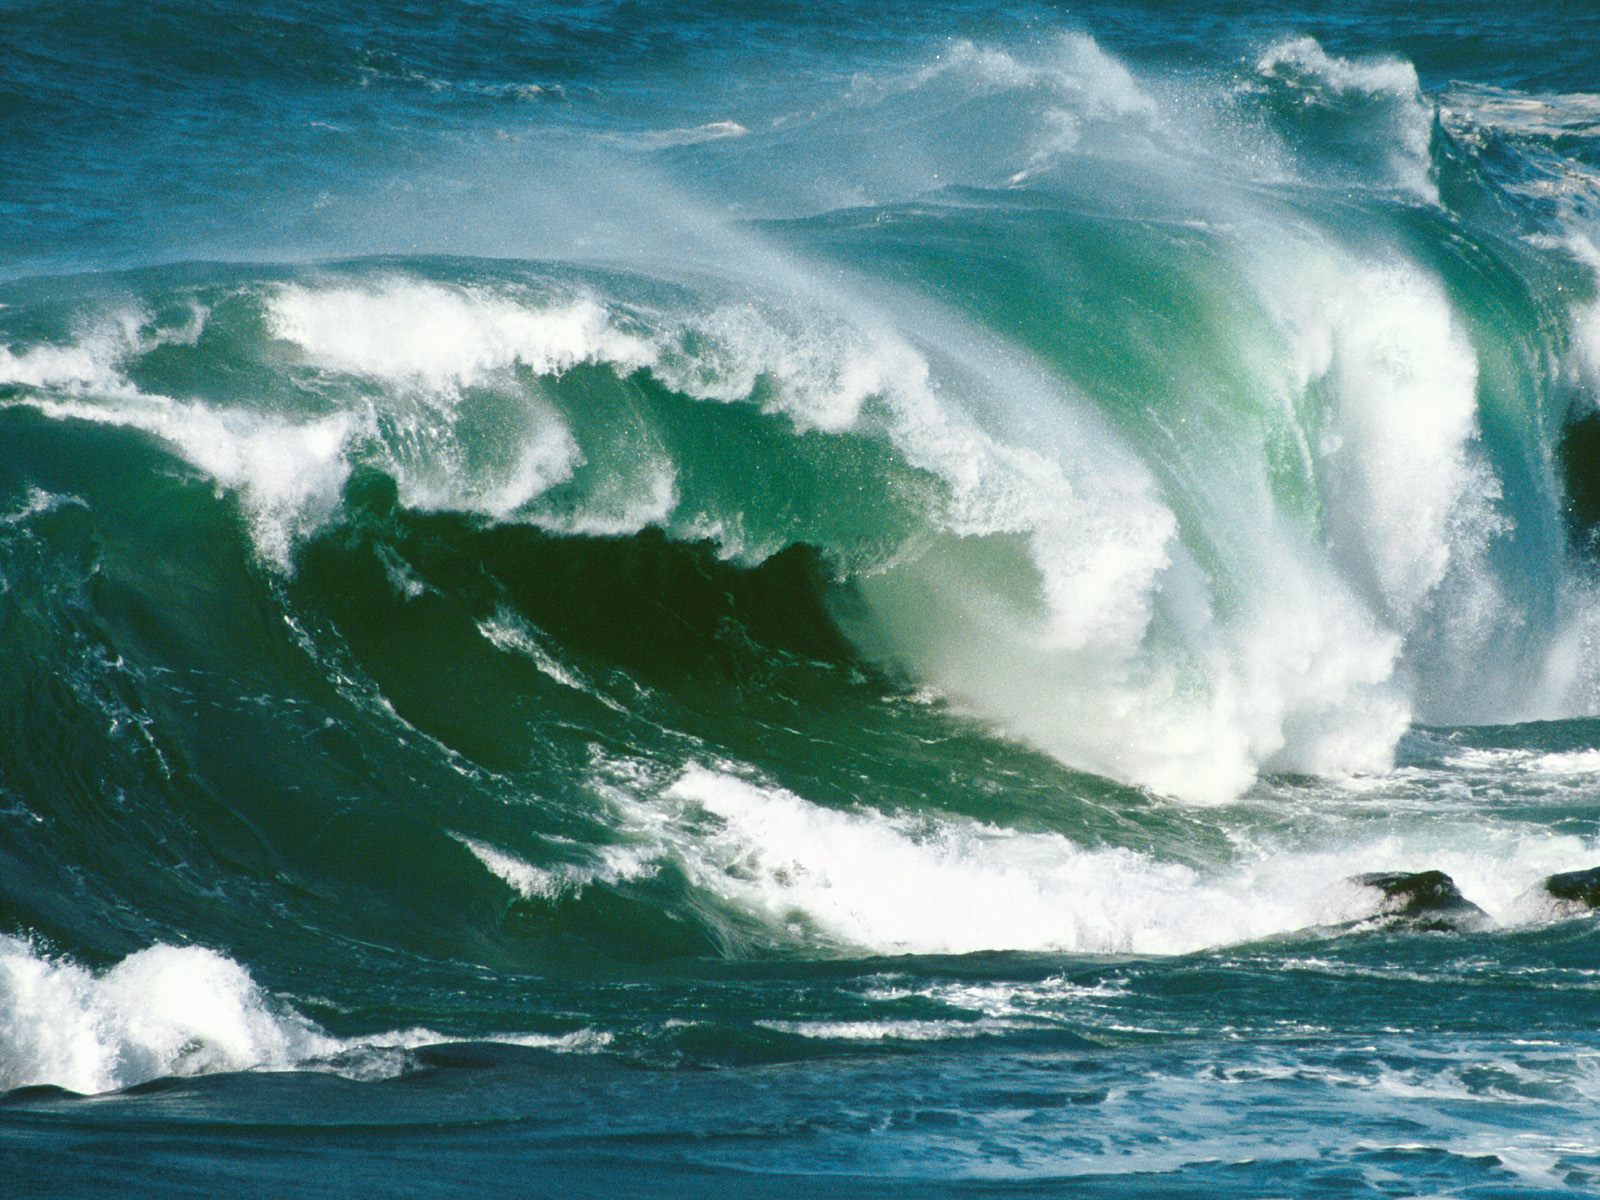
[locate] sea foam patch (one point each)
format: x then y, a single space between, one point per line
166 1010
173 1010
900 882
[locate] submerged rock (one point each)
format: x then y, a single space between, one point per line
1576 890
1422 900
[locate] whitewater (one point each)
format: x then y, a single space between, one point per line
680 601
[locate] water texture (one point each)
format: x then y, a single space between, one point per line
767 600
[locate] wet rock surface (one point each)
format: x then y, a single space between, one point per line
1575 889
1422 900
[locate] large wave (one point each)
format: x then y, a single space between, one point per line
1107 438
846 532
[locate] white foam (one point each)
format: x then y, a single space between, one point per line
609 864
1379 75
1059 654
906 884
527 880
819 371
402 577
712 131
889 1031
289 474
1300 678
90 363
509 632
623 502
1405 495
1573 762
1071 90
168 1010
183 1010
1072 65
1098 89
1064 659
1295 61
1012 1002
1526 114
1585 316
920 883
433 472
1557 767
1586 343
1383 383
38 501
430 344
409 330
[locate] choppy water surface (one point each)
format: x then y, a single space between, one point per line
762 600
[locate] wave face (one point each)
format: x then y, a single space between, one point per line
1178 484
515 542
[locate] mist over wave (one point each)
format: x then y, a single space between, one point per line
1265 538
986 536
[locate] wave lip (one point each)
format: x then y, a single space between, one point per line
1383 90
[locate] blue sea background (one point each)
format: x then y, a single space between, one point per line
729 599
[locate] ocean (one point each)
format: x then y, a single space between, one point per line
771 599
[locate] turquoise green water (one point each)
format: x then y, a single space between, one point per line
620 602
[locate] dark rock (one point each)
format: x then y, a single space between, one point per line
1580 889
1422 900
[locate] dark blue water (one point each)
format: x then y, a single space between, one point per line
760 600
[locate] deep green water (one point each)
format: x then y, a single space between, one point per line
637 601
